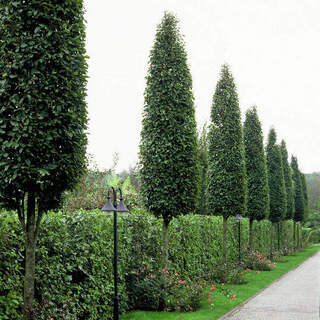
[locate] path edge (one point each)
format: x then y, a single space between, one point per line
235 309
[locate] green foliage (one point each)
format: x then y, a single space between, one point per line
161 291
74 258
258 192
305 196
42 100
313 220
226 272
313 186
278 203
298 192
254 260
91 193
226 173
168 148
203 144
288 181
11 268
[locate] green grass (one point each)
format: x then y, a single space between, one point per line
256 282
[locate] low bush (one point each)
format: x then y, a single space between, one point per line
162 291
254 260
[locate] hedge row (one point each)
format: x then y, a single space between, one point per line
74 278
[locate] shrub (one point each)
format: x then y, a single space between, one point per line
254 260
163 291
226 272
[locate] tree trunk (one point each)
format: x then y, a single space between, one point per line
298 236
165 237
30 243
271 246
225 229
294 235
251 234
278 235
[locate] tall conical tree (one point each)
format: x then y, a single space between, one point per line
278 203
305 196
287 172
258 192
202 201
168 149
226 174
298 194
288 181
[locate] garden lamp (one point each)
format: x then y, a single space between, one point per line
122 210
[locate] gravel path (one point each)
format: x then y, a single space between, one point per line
295 296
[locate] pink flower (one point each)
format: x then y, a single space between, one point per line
177 275
212 288
155 295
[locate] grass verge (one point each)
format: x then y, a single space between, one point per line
256 282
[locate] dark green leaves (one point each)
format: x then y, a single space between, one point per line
168 152
226 175
278 203
258 191
298 191
42 99
288 181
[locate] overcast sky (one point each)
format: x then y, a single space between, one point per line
272 47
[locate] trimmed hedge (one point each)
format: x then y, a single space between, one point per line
74 277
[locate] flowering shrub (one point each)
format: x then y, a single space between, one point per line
253 260
227 273
162 291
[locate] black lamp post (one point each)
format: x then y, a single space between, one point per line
238 218
121 209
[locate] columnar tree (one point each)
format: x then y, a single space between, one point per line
42 113
305 196
298 194
288 181
168 148
258 192
226 173
277 191
202 201
305 203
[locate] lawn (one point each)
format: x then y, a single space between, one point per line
256 282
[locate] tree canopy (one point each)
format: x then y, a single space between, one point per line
42 100
168 148
278 203
288 181
298 193
226 174
258 192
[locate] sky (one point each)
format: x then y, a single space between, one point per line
272 47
